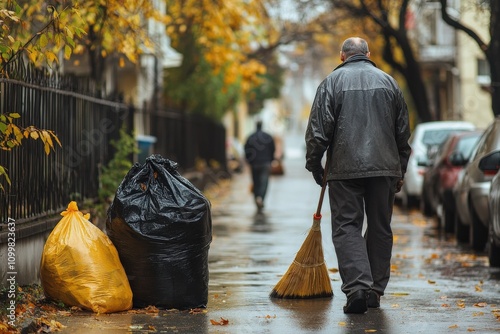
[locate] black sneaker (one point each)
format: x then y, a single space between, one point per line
373 299
356 302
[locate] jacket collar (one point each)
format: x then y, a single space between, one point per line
355 58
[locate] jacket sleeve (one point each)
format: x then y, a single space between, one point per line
320 127
403 133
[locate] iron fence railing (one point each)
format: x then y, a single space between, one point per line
184 138
85 125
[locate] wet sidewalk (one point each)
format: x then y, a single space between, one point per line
250 251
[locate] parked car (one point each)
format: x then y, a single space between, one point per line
425 138
473 187
439 179
494 224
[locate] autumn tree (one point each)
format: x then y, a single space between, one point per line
491 48
114 28
216 39
39 44
389 19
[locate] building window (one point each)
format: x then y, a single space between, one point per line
483 72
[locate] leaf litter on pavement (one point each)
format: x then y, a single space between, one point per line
38 315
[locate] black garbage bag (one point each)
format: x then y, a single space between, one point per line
161 226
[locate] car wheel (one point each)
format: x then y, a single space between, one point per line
461 230
493 249
478 232
411 201
425 206
404 198
448 218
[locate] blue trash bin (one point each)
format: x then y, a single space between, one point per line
145 145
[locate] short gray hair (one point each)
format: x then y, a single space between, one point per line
354 46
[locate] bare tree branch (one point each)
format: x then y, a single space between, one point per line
460 26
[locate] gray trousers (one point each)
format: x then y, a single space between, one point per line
364 262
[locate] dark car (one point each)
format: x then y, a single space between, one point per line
441 176
473 187
494 226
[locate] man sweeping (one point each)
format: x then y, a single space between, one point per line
359 115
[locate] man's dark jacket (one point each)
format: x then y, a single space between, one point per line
259 148
363 108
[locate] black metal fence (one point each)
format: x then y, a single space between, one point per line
184 138
85 125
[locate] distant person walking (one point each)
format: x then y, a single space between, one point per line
360 119
259 153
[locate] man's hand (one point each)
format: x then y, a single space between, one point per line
399 185
318 176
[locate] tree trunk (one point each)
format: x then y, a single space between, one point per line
396 37
491 50
493 55
414 80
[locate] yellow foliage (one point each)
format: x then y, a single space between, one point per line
226 31
41 45
11 136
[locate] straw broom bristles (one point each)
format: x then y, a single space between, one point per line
307 276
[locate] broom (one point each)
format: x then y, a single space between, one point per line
307 276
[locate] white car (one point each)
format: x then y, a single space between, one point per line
425 138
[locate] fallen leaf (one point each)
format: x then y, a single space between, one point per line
222 322
152 309
453 326
197 310
445 305
477 314
64 313
431 281
471 330
6 328
478 288
419 222
395 305
481 304
400 293
370 330
342 323
333 270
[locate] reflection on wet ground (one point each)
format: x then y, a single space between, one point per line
435 287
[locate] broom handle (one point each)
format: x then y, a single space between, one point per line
323 188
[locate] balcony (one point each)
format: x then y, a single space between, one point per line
436 39
437 53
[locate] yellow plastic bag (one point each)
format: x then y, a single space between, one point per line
80 266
